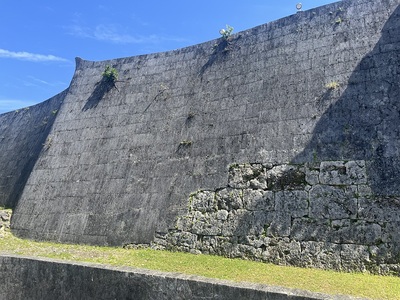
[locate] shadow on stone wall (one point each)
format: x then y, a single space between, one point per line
101 89
313 215
23 136
364 124
327 207
220 52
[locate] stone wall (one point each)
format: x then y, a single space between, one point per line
318 86
22 136
25 278
5 216
312 215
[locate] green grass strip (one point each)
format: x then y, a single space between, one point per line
329 282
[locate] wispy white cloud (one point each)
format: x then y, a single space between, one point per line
110 33
30 56
7 105
34 81
38 80
114 34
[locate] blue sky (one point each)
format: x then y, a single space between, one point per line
40 39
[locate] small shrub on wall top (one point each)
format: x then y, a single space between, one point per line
110 74
226 33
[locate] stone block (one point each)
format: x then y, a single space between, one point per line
184 223
241 175
182 239
307 229
203 201
222 215
330 202
258 200
341 173
359 232
364 190
379 210
322 255
206 224
356 171
294 203
312 176
279 225
354 257
229 199
244 223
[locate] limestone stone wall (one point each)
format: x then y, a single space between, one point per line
5 216
23 134
321 86
321 215
39 279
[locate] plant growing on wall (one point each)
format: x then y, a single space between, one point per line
48 143
110 74
226 33
106 84
333 85
339 20
185 143
225 44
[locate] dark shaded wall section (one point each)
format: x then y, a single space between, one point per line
363 124
336 204
23 134
24 278
124 160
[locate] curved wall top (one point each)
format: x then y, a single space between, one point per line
22 135
124 159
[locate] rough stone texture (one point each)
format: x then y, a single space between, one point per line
318 86
5 216
325 224
23 135
25 278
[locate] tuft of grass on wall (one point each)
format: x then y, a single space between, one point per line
333 85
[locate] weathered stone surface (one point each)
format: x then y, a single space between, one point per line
5 216
229 199
243 177
295 203
291 134
258 199
286 177
322 255
312 176
331 202
322 225
204 202
355 257
24 134
26 278
340 173
308 229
